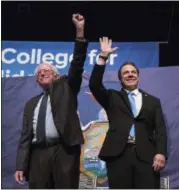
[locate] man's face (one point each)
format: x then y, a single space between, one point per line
45 75
129 77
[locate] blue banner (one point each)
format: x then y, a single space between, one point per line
21 58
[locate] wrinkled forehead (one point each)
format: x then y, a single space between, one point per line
44 66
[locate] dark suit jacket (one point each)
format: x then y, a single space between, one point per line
63 95
151 137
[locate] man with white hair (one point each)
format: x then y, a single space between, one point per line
48 154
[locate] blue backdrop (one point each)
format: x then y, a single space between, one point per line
161 82
21 58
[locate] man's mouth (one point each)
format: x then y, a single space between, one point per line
44 78
131 79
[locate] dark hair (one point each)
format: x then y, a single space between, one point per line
124 64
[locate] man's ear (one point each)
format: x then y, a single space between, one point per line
57 76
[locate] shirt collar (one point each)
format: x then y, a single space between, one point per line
46 93
135 92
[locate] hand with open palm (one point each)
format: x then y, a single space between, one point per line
106 46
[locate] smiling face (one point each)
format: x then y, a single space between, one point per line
129 77
46 75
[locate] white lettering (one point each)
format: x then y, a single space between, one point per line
19 75
30 75
7 73
112 56
4 52
33 56
61 63
39 51
91 55
37 56
48 58
20 58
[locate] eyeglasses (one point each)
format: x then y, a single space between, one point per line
45 71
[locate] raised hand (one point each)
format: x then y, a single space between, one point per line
78 21
106 46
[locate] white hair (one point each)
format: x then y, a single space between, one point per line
52 66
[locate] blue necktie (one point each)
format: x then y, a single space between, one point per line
133 107
40 133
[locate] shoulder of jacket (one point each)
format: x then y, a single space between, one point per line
33 99
62 79
113 91
150 96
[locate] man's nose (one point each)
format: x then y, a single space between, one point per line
42 74
131 75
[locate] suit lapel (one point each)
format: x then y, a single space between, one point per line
144 100
126 100
35 101
33 106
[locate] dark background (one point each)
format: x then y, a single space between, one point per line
122 21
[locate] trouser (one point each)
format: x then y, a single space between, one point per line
54 167
128 172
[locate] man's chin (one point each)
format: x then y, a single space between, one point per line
46 82
130 87
45 85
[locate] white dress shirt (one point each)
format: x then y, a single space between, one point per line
50 129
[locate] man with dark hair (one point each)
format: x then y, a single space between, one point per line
48 154
135 147
124 64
